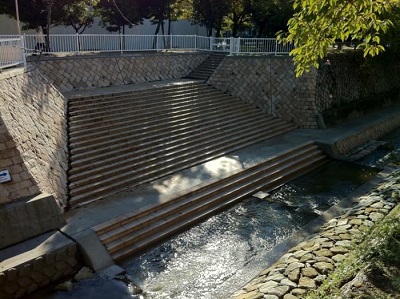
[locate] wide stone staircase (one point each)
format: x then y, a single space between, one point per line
207 67
127 139
132 232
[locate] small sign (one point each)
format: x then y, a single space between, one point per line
4 176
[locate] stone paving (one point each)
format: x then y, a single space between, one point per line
305 266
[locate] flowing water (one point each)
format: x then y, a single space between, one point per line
218 256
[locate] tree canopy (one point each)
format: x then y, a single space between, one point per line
317 24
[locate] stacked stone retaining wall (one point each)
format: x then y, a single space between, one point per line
269 83
54 259
33 136
85 72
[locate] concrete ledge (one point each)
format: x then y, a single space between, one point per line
25 219
94 253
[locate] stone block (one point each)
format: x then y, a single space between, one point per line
28 218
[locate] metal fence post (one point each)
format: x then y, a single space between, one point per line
77 42
157 42
211 43
23 49
276 47
120 43
195 42
231 45
170 41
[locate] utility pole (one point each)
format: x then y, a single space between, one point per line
17 16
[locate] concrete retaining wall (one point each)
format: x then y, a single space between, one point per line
374 131
33 136
78 73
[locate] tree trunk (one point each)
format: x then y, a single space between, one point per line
169 26
155 35
210 29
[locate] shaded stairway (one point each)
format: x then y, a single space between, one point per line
132 232
128 139
207 67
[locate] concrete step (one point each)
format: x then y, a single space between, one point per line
157 128
202 72
168 166
88 100
176 125
162 158
82 131
133 232
141 114
154 104
198 77
206 68
137 100
152 123
155 232
130 146
207 186
143 152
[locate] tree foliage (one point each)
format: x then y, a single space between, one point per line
31 12
270 16
117 14
79 14
210 13
239 15
317 24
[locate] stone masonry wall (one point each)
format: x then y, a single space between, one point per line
33 137
22 184
269 83
54 259
84 72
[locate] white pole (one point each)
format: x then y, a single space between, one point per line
17 17
23 49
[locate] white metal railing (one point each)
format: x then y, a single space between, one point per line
11 51
122 43
12 46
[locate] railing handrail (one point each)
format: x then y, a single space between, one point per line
12 51
115 42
